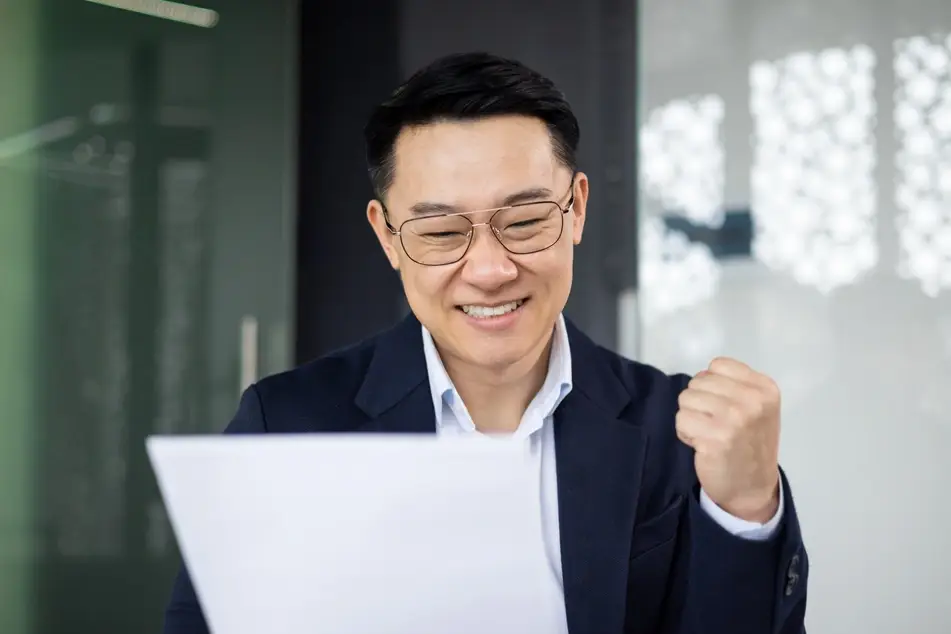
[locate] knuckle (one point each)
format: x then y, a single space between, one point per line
683 419
683 398
771 389
755 407
723 440
735 414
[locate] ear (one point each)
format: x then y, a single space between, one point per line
388 241
579 207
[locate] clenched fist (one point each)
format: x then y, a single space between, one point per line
729 415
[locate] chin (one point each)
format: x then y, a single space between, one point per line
496 356
500 343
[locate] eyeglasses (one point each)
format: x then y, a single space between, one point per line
445 239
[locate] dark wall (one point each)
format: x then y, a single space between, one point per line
587 48
345 289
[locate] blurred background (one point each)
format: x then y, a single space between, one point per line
182 195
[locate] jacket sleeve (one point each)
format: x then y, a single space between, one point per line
739 585
743 586
183 614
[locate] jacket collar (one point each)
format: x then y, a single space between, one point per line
398 368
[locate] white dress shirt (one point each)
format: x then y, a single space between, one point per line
537 430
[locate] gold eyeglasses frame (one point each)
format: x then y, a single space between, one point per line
495 230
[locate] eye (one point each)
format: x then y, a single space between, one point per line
522 223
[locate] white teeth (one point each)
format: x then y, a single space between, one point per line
482 312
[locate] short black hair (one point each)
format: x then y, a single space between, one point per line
467 86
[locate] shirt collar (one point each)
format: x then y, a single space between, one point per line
557 385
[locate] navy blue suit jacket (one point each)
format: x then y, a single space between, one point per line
639 555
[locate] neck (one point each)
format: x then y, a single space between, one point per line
496 398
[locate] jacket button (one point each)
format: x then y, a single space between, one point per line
792 576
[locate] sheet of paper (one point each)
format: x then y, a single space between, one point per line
359 533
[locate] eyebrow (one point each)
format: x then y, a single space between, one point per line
531 194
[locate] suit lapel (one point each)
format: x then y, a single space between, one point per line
599 464
395 394
411 415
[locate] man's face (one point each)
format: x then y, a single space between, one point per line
478 166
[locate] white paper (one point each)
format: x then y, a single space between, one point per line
352 534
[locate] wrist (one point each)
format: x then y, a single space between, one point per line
758 509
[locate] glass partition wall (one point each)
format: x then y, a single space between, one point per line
795 212
146 250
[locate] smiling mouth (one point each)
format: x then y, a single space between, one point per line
487 312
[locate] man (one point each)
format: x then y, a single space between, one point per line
664 508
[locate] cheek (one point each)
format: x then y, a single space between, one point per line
561 270
562 254
425 285
551 268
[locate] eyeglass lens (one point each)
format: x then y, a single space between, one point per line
521 229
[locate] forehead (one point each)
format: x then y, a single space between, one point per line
471 163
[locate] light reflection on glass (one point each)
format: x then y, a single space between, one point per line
682 158
813 192
682 172
675 273
166 10
923 189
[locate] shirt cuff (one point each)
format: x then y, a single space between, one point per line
753 531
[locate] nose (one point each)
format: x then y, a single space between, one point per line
487 265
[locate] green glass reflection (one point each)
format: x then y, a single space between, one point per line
141 161
20 48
